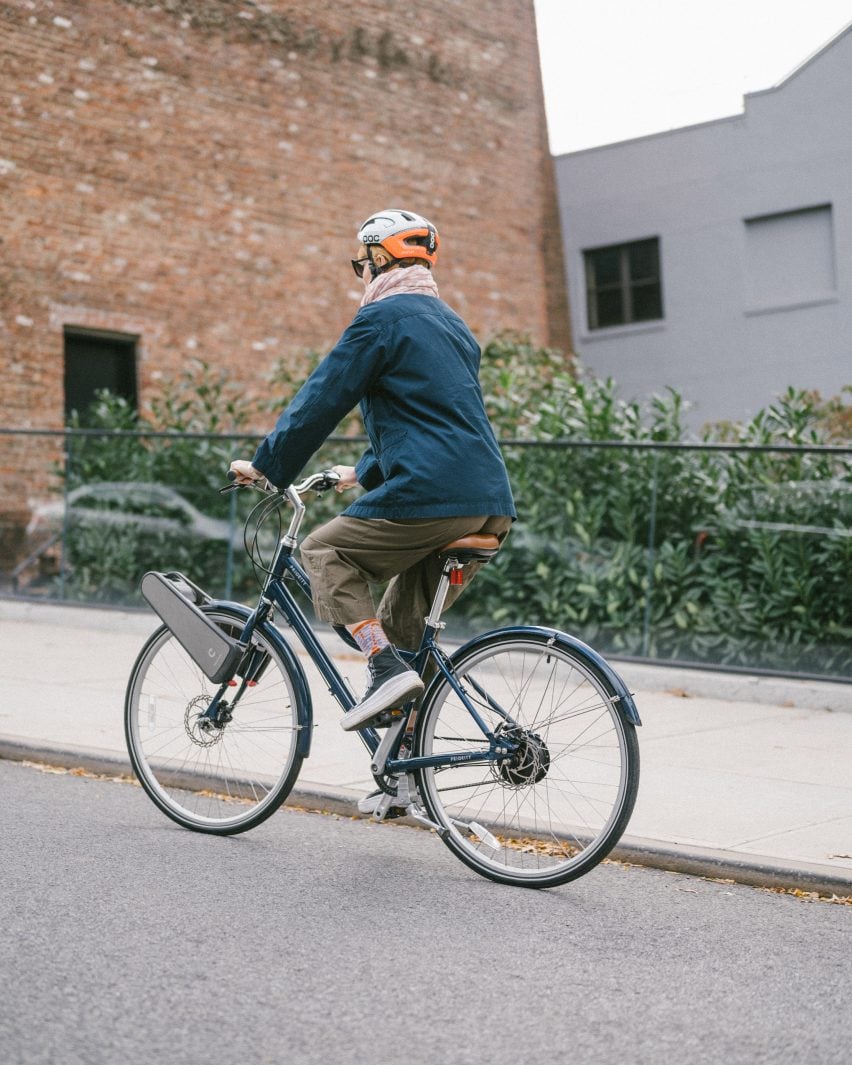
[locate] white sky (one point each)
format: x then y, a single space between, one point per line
615 69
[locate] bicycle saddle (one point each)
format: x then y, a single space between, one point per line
479 546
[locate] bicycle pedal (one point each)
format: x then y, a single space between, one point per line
386 718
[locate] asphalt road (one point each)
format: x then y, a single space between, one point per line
315 939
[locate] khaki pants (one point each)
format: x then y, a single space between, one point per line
346 555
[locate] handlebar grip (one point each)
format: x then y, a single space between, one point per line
258 482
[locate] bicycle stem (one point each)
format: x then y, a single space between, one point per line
290 538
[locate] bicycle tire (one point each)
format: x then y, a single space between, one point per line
554 810
233 778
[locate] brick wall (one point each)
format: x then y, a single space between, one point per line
192 171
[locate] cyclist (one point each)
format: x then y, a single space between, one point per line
433 471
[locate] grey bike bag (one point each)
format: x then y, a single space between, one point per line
215 652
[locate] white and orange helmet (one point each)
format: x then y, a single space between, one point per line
402 234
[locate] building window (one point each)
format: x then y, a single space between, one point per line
623 283
95 360
790 257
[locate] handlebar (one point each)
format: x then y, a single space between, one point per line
317 483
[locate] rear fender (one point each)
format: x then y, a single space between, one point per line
304 706
623 697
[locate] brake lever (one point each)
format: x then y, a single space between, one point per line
261 484
330 480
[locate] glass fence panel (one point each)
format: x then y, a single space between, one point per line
117 506
726 558
577 558
108 508
760 579
737 558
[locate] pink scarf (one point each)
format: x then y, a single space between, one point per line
413 280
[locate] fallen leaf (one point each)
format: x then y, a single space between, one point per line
810 896
43 767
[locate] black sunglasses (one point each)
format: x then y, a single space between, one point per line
359 266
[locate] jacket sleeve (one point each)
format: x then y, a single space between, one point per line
332 390
368 471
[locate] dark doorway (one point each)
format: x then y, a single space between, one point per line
96 360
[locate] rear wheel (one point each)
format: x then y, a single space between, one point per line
559 803
223 778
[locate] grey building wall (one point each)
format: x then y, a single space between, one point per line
751 304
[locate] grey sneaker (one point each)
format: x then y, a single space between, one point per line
393 683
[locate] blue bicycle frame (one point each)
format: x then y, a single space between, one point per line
275 593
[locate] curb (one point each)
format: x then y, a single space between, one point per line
66 757
755 870
751 869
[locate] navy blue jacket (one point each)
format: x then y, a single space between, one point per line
413 365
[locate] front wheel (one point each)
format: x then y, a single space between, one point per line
225 778
557 806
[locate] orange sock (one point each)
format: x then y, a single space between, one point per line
369 635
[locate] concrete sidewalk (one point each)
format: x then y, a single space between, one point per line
748 778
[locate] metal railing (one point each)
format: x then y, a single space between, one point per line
722 555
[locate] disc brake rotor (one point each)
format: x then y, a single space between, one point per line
206 735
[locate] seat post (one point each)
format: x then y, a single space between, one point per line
434 618
476 547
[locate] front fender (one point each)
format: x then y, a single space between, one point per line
304 706
624 698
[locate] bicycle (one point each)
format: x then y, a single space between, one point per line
521 754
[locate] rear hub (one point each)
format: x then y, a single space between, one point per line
527 764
